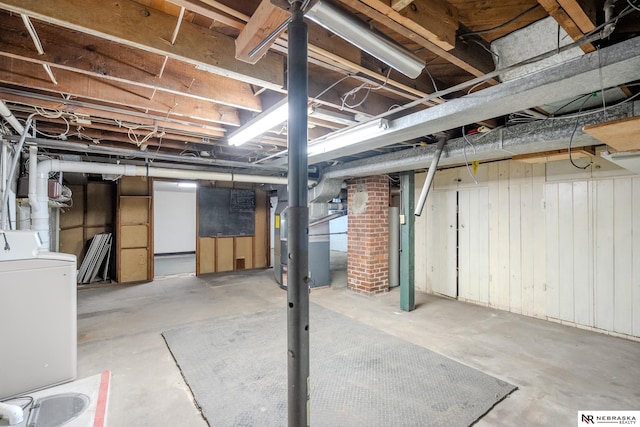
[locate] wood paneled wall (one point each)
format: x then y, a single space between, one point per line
229 253
547 241
92 213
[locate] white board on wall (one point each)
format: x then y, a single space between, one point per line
174 218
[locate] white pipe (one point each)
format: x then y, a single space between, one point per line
12 413
40 218
10 118
4 163
5 195
33 173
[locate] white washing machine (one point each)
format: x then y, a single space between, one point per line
38 326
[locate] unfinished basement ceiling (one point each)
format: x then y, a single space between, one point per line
159 80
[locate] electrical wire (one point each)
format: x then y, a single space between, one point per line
575 128
633 6
59 136
366 86
29 399
433 82
464 152
501 26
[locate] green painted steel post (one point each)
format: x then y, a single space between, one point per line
407 237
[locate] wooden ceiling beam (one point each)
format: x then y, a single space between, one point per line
27 74
572 18
96 57
135 25
214 10
435 20
440 31
475 61
140 131
109 133
195 127
265 20
325 47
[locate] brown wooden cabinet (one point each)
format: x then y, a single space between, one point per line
134 235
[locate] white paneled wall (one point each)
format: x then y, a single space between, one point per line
548 241
473 247
596 278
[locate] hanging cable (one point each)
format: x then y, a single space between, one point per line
575 128
464 152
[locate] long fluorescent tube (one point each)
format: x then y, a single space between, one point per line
360 35
347 137
331 116
260 124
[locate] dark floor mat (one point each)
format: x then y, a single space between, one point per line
360 376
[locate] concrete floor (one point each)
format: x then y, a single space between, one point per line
167 265
558 369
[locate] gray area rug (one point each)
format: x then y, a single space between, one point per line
237 370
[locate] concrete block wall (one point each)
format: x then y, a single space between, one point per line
368 236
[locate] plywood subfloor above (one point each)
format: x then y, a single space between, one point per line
622 134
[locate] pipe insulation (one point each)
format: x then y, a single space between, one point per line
40 215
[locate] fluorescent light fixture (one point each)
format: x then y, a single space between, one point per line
331 116
260 124
187 184
359 34
347 137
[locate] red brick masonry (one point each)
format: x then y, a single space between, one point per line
368 238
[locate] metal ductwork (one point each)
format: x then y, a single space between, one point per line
503 143
325 191
608 67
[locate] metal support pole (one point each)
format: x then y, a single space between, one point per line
430 175
407 262
394 247
298 238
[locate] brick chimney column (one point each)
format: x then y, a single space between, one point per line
368 235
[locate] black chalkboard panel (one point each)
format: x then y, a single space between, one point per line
226 212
